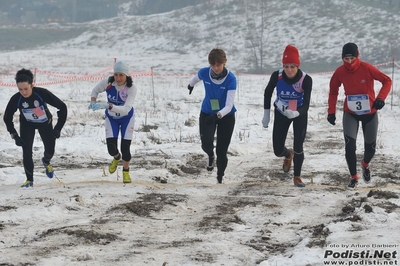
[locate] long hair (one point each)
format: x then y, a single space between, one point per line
129 81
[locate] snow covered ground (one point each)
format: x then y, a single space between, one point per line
174 213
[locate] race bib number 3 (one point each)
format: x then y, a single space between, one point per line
359 104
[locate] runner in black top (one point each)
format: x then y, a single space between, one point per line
293 90
32 105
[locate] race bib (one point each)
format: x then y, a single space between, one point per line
282 105
359 104
215 104
35 115
293 105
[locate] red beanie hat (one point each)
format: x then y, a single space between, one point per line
291 56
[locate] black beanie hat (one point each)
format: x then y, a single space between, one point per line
350 49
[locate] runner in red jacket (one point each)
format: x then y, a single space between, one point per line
360 105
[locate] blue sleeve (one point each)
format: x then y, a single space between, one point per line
232 82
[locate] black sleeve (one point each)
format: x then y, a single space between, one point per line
53 100
307 87
11 108
269 90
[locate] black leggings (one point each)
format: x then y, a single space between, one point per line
279 135
125 148
224 128
27 133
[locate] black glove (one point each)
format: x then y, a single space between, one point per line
332 118
190 88
378 104
55 134
211 119
18 141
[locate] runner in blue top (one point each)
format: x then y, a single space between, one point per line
293 90
120 115
34 114
217 109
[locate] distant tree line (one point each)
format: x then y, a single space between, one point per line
160 6
85 10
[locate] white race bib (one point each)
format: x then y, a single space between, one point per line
282 105
359 104
35 115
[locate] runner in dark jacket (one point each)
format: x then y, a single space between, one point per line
293 93
34 114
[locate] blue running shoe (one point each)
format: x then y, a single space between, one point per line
27 184
49 169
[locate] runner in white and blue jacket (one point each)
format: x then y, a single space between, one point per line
120 115
217 109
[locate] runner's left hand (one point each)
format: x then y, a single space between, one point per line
378 104
55 134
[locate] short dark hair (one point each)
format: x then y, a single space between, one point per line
24 75
217 56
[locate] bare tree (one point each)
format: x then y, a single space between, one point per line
255 33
